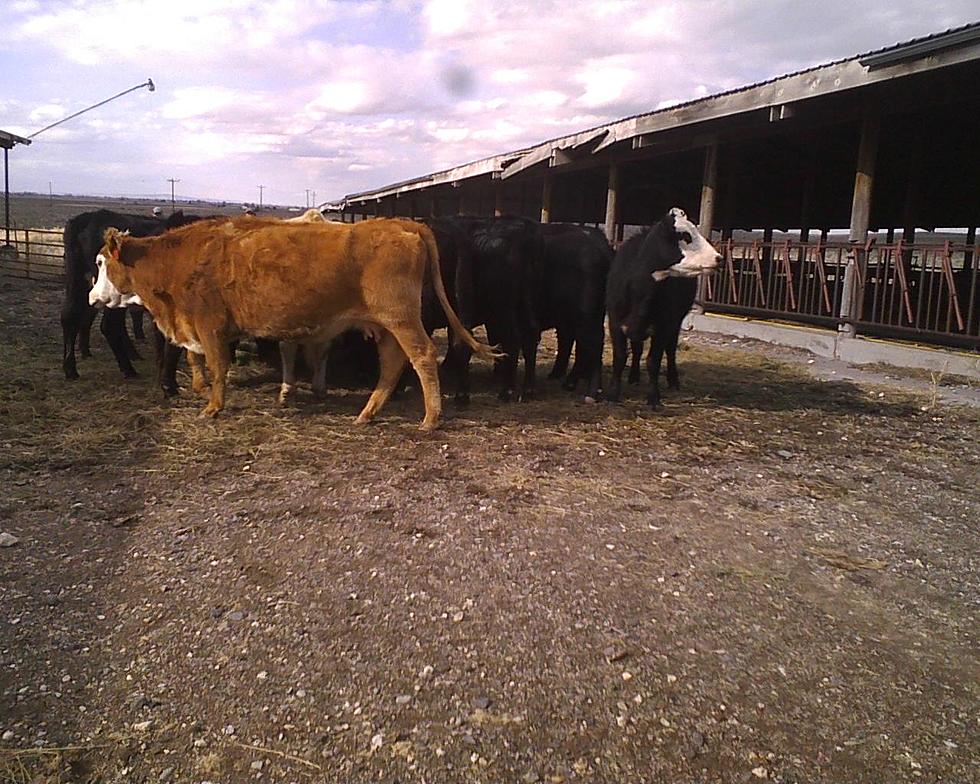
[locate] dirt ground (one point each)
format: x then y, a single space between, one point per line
775 578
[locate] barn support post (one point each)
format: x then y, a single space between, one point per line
498 200
706 212
546 200
860 221
910 204
6 197
612 193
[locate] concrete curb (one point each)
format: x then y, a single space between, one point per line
830 344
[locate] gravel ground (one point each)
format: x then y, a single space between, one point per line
773 579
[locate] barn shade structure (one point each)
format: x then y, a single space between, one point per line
824 187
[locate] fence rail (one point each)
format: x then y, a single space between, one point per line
929 293
35 254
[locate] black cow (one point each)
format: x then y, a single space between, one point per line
489 267
652 285
571 299
83 238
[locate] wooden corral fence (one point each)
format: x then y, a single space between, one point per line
35 254
927 293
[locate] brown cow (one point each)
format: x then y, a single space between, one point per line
214 281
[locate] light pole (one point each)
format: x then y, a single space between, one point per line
148 84
8 140
261 188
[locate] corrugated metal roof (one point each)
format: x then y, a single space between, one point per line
888 55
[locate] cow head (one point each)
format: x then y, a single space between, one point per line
689 254
110 271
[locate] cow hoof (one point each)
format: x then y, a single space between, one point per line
72 375
210 412
462 400
428 427
362 420
505 396
170 391
569 384
85 354
130 374
526 396
655 404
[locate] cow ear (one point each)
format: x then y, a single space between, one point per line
111 239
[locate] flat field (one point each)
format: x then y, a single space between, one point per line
773 579
35 211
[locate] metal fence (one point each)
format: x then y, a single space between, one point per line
36 254
928 293
924 292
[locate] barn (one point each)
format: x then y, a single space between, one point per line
829 190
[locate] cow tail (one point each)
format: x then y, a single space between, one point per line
480 349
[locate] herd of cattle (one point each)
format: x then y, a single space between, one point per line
207 282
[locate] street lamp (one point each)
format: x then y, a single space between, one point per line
8 140
148 84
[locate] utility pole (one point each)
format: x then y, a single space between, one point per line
307 198
261 188
173 201
314 198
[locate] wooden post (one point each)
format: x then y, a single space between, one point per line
706 213
709 186
612 192
860 219
498 199
546 200
971 240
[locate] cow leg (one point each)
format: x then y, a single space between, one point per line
530 352
620 351
505 370
167 355
136 319
199 382
316 355
287 351
85 331
391 361
636 357
218 359
114 329
565 340
654 358
421 352
673 379
460 363
71 320
588 352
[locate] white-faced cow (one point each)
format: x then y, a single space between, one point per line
652 285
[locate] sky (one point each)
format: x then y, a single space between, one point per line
340 96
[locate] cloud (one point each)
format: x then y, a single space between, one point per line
345 96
